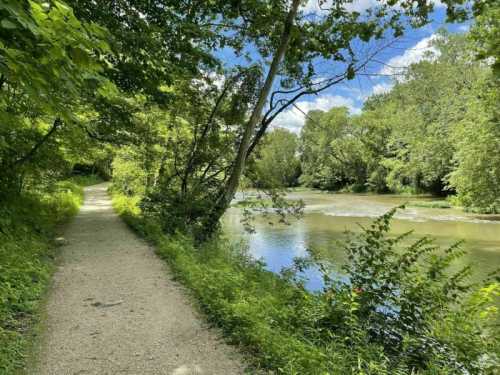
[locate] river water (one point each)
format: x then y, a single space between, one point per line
327 217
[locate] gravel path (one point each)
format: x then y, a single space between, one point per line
114 309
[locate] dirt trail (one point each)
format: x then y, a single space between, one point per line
114 309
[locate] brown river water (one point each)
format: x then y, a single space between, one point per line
327 216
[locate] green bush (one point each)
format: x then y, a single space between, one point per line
27 225
394 317
409 302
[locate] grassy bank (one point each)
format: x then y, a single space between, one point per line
252 306
27 251
288 330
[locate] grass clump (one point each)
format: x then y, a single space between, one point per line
27 228
401 312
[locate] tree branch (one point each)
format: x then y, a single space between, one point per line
325 84
266 121
196 143
55 125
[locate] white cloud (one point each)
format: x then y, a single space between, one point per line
361 6
423 50
210 78
439 4
312 6
293 119
382 88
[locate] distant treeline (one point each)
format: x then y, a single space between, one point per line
437 131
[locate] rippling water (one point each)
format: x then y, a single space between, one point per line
328 216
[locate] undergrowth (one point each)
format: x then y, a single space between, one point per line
400 314
27 252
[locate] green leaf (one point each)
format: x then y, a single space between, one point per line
7 24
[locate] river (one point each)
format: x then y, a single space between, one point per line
327 216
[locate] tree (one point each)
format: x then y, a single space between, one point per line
174 48
319 155
476 176
340 151
298 41
50 64
433 132
277 164
486 32
154 43
433 115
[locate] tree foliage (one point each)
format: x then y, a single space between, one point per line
50 67
276 161
486 32
228 109
436 131
90 71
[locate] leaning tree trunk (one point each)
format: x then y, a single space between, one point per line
229 189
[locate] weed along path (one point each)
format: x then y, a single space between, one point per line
113 308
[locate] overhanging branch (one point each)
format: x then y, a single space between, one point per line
55 125
320 86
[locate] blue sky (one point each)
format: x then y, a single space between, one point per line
409 49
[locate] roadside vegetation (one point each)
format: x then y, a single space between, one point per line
27 253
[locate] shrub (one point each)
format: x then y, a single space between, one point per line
410 303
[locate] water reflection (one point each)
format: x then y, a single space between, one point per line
328 216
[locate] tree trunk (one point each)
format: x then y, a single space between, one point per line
228 191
